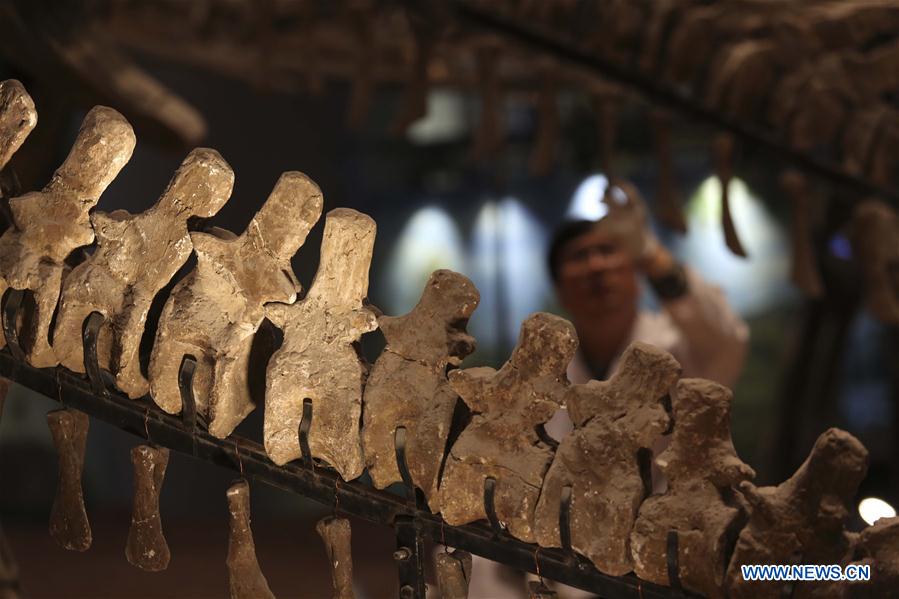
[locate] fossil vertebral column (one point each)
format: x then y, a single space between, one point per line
501 442
214 312
136 256
615 421
318 359
408 386
48 225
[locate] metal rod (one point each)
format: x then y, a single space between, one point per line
143 419
90 334
547 43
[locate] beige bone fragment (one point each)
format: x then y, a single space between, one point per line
214 312
17 118
69 526
501 442
408 386
801 520
701 465
50 224
878 548
136 256
146 547
245 579
319 359
335 533
615 422
453 574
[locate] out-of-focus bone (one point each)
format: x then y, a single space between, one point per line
701 465
804 270
453 574
878 548
136 256
408 386
803 519
335 533
874 235
319 359
214 312
146 547
547 136
50 224
17 118
488 137
614 420
69 526
502 441
723 150
245 579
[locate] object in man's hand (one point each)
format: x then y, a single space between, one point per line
408 385
615 422
318 359
214 312
147 548
245 579
69 526
701 465
501 442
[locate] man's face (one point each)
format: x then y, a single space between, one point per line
596 275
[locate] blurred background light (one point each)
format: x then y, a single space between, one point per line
752 284
872 509
430 240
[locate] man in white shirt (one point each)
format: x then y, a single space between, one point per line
596 267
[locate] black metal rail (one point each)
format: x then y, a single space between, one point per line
412 524
550 44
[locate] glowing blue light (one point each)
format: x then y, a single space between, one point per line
587 204
429 241
840 247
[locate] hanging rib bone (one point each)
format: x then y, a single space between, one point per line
335 532
147 548
69 526
245 579
453 574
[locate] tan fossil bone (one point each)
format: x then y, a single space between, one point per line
803 518
17 118
877 547
245 578
136 256
804 271
538 590
501 441
146 547
874 235
615 422
336 535
50 224
69 525
723 151
319 359
213 313
453 570
408 386
701 465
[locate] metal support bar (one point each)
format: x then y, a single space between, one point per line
90 334
142 419
409 557
548 43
